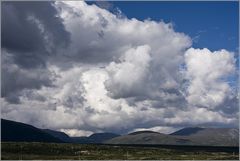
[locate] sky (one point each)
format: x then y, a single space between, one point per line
86 67
213 24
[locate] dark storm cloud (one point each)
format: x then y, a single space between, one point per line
230 106
15 79
31 33
27 30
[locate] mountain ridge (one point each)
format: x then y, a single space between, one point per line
185 136
187 131
16 131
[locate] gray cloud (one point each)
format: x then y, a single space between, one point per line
15 79
31 33
27 30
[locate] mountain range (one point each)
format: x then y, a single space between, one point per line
187 136
16 131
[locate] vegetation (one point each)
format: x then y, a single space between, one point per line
51 151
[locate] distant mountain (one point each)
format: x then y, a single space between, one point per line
210 136
94 138
140 132
80 140
186 136
148 137
187 131
60 135
101 137
16 131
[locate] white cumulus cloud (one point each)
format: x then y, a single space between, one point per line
207 72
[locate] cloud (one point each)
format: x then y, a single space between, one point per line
93 110
75 132
16 80
127 76
207 72
32 31
100 36
160 129
100 72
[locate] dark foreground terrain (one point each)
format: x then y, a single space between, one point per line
49 151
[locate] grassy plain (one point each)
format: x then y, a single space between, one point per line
66 151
